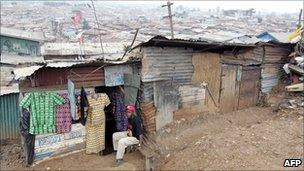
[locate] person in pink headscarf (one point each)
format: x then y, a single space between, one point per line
132 136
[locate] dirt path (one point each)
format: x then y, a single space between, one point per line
81 161
255 138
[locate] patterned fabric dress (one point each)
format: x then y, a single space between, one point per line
119 111
42 108
95 125
63 117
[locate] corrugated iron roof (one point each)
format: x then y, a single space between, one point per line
6 75
26 71
74 48
274 37
22 34
9 89
65 64
17 59
202 43
221 37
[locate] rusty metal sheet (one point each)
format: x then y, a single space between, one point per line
249 87
48 77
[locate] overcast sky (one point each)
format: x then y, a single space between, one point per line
289 6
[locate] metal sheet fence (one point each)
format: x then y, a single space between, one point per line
9 116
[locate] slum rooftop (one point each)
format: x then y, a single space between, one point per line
22 34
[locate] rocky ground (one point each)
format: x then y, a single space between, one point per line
11 155
258 138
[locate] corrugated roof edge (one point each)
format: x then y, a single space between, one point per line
4 90
22 34
157 40
21 73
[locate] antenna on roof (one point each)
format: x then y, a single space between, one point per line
98 26
170 17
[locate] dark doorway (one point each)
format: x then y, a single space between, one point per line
110 121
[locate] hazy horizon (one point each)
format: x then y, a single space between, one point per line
292 6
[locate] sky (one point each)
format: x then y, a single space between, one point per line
289 6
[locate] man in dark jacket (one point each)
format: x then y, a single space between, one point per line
132 136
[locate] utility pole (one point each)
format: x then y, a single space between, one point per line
170 17
98 26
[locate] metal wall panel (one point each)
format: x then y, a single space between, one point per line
147 92
272 68
9 116
167 63
192 93
258 53
166 102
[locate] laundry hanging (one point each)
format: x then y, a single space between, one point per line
63 116
42 108
72 99
84 104
119 112
95 125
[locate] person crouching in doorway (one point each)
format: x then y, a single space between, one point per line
132 136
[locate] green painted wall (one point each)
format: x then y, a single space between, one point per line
19 46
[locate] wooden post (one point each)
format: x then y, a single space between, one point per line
170 17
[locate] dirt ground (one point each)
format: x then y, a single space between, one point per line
258 138
252 139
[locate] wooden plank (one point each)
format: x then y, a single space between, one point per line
249 87
228 100
207 69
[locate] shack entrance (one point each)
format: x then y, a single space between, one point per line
249 87
239 87
229 88
110 123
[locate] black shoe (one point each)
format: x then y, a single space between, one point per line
118 162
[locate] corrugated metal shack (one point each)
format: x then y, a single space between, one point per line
175 73
275 56
276 49
53 75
